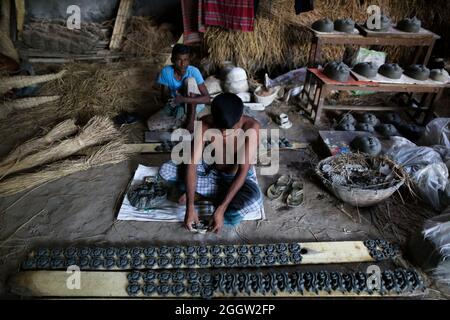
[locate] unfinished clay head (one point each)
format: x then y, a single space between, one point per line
345 126
323 25
347 118
411 131
391 70
364 127
385 24
412 25
344 25
366 69
418 72
393 118
439 75
337 71
387 130
370 119
369 145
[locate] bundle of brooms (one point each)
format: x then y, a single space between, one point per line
280 37
59 144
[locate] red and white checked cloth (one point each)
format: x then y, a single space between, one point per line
238 15
192 21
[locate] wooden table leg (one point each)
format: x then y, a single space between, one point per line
429 52
321 99
419 51
429 114
312 54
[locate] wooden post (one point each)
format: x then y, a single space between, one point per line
124 13
20 14
5 16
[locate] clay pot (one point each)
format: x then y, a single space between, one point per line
391 70
323 25
412 25
370 119
364 127
439 75
387 130
344 25
366 69
369 145
418 72
385 24
337 71
345 126
393 118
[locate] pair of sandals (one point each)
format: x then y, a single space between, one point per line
284 183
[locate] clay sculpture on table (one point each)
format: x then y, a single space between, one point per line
387 130
364 127
439 75
411 25
345 126
346 25
370 119
418 72
411 131
323 25
347 118
385 24
369 145
393 118
391 70
337 71
366 69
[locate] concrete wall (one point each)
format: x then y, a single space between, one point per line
101 10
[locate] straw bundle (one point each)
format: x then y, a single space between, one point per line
92 89
280 37
145 38
60 131
8 83
110 153
8 107
97 131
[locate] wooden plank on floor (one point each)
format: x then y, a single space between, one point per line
335 252
113 285
124 13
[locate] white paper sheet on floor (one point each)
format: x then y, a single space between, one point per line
168 211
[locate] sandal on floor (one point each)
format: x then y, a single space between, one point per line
277 189
296 196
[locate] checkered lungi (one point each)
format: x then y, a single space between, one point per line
214 184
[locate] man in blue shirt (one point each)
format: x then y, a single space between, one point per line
183 87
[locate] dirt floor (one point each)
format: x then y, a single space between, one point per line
82 209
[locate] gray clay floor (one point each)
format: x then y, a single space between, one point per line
82 208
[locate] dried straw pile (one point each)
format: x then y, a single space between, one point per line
280 37
88 90
145 38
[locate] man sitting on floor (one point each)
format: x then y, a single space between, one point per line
230 182
184 85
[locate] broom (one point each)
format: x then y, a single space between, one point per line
97 131
110 153
8 107
8 83
62 130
